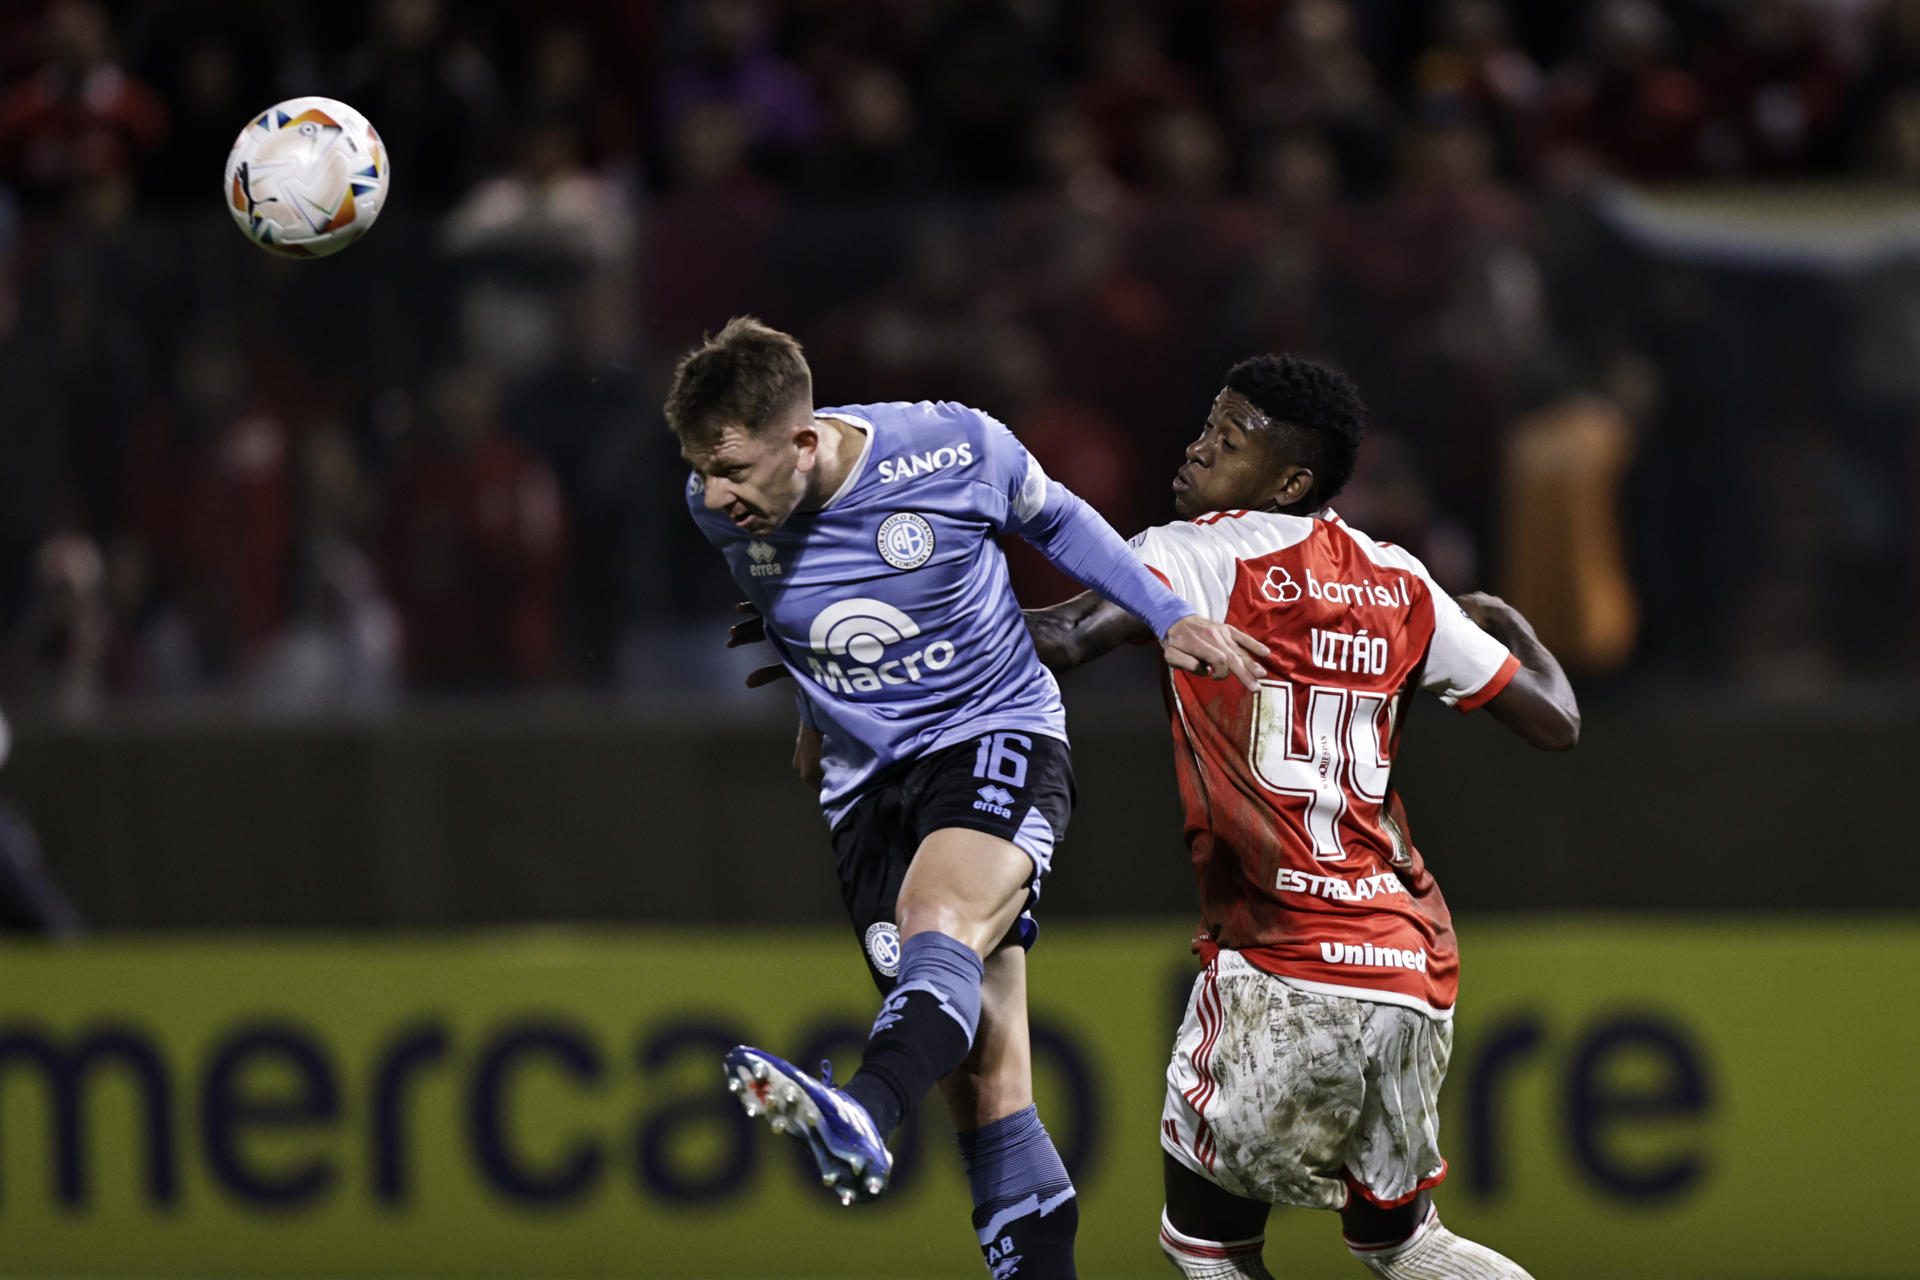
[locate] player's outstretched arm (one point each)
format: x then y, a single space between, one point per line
1538 703
1075 632
1215 649
1074 537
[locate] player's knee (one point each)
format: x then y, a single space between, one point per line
979 929
1364 1223
978 1095
923 914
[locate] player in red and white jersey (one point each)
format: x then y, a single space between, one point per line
1301 867
1308 1069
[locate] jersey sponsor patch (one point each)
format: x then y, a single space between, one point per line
1369 956
1338 888
905 540
1279 586
863 630
1392 595
909 465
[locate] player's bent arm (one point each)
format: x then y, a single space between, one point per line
1538 703
1075 632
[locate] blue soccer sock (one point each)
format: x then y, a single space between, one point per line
924 1029
1024 1208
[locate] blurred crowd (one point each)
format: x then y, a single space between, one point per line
436 463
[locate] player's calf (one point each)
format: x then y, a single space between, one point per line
1024 1209
924 1029
1434 1253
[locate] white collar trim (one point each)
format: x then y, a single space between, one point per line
859 463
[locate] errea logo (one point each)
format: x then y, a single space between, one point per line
863 630
764 565
997 801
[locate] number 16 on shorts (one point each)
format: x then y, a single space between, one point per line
1002 757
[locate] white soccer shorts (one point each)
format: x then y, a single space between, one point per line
1293 1097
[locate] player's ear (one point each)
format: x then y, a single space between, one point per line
806 444
1296 482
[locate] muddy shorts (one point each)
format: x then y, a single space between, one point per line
1296 1097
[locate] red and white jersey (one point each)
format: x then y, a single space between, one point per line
1298 844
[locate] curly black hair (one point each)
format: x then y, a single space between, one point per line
1317 408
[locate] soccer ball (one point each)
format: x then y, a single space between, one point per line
306 177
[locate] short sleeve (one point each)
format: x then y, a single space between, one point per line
1465 666
1199 568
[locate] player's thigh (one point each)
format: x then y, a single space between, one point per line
1265 1087
996 1080
871 847
1207 1211
988 814
966 884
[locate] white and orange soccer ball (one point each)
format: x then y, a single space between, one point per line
306 177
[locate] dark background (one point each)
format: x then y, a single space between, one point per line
359 592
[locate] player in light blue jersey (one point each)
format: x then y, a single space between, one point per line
865 536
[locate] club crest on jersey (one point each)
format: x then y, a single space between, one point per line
883 948
905 540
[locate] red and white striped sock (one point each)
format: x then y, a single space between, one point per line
1212 1259
1434 1253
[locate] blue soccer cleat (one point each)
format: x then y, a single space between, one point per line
852 1158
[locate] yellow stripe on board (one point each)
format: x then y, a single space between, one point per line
1627 1099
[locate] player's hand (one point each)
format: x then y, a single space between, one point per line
753 630
1214 649
806 756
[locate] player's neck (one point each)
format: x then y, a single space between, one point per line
840 447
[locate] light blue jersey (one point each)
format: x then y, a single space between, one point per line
891 606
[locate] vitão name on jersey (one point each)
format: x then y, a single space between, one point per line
1356 652
1359 889
909 465
1368 592
1373 957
